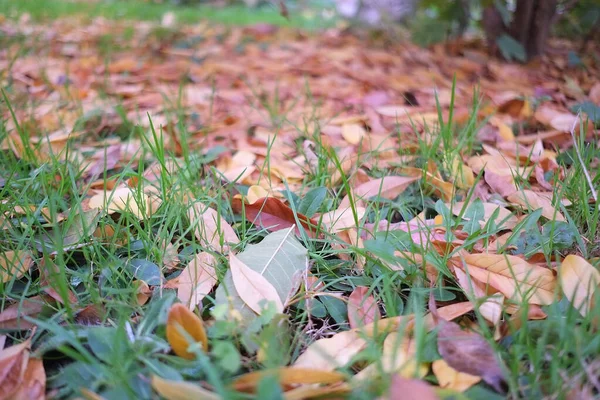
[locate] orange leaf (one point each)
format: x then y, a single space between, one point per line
362 309
252 287
181 320
273 215
288 376
534 200
14 264
33 385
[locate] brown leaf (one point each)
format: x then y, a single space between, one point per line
180 320
13 364
362 308
535 200
273 215
388 187
466 351
12 316
33 385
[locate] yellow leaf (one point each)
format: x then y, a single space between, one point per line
256 192
331 353
462 174
514 277
449 378
353 133
579 280
288 376
399 356
197 279
177 390
125 199
505 132
181 320
252 287
14 264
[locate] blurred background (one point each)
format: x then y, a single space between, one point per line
514 29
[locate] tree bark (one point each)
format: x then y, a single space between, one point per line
531 24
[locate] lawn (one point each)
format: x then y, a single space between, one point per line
214 203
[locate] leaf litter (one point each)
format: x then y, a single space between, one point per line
245 115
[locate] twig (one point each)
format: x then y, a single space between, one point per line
585 171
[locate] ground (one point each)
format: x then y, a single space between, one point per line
262 211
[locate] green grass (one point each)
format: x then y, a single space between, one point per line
234 15
100 259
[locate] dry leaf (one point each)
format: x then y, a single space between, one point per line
14 264
33 385
362 308
310 391
287 376
125 199
449 378
467 351
180 320
211 229
13 366
353 133
197 279
388 187
534 200
331 353
273 215
178 390
579 281
510 220
514 277
253 288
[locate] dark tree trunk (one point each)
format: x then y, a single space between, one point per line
531 24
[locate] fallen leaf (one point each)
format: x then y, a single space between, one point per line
449 378
388 187
466 351
362 308
253 288
272 214
331 353
579 281
398 357
353 133
13 366
178 390
180 320
309 391
12 316
508 219
210 227
514 277
33 385
197 279
125 199
535 200
14 264
287 376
